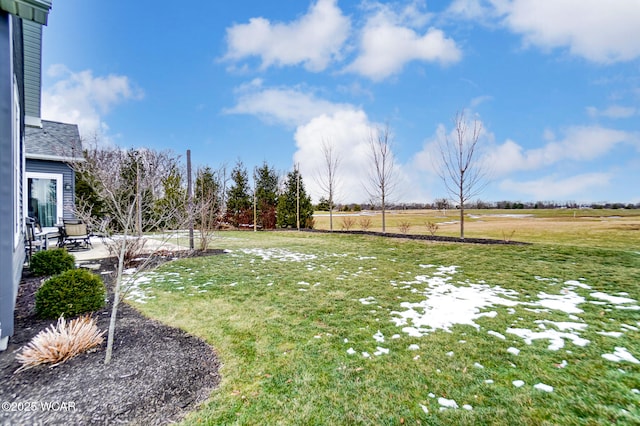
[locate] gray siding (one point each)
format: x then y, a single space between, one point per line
32 67
68 177
11 251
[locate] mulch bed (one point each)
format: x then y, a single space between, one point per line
422 237
156 376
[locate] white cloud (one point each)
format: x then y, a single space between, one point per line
82 99
289 106
469 9
313 40
348 132
613 111
600 31
580 143
552 188
388 42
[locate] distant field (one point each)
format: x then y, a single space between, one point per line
319 328
584 227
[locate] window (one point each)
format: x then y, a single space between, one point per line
44 197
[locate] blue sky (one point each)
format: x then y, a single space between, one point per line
555 86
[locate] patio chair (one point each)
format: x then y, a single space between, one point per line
32 242
76 235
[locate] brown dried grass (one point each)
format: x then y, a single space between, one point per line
61 342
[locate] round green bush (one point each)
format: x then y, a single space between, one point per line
51 262
71 293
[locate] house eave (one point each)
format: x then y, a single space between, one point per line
53 158
31 10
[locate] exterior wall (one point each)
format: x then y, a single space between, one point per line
68 177
12 251
32 68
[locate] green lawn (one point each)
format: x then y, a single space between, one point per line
309 329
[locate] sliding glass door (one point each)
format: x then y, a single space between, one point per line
44 197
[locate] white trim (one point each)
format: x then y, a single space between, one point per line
54 158
17 164
32 121
58 177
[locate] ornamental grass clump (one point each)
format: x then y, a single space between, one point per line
61 342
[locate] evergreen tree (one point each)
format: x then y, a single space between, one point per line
266 196
173 200
87 197
323 205
208 189
239 203
287 203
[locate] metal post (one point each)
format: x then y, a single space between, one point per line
190 200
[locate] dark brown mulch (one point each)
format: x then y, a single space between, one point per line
423 237
157 374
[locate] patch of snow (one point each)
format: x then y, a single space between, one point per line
629 327
367 300
513 351
395 336
279 254
518 383
621 354
447 305
615 334
564 325
478 365
556 337
381 351
425 409
496 334
489 381
467 407
635 391
543 387
431 395
450 353
567 302
351 351
366 354
378 337
447 403
575 283
616 300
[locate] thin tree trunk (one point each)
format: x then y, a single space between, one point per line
116 301
384 223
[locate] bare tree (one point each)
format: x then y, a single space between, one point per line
111 177
461 171
327 178
382 176
207 209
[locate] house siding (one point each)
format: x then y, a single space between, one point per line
32 68
12 252
68 196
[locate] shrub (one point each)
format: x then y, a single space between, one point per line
365 223
71 293
347 223
432 227
51 262
60 343
404 226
